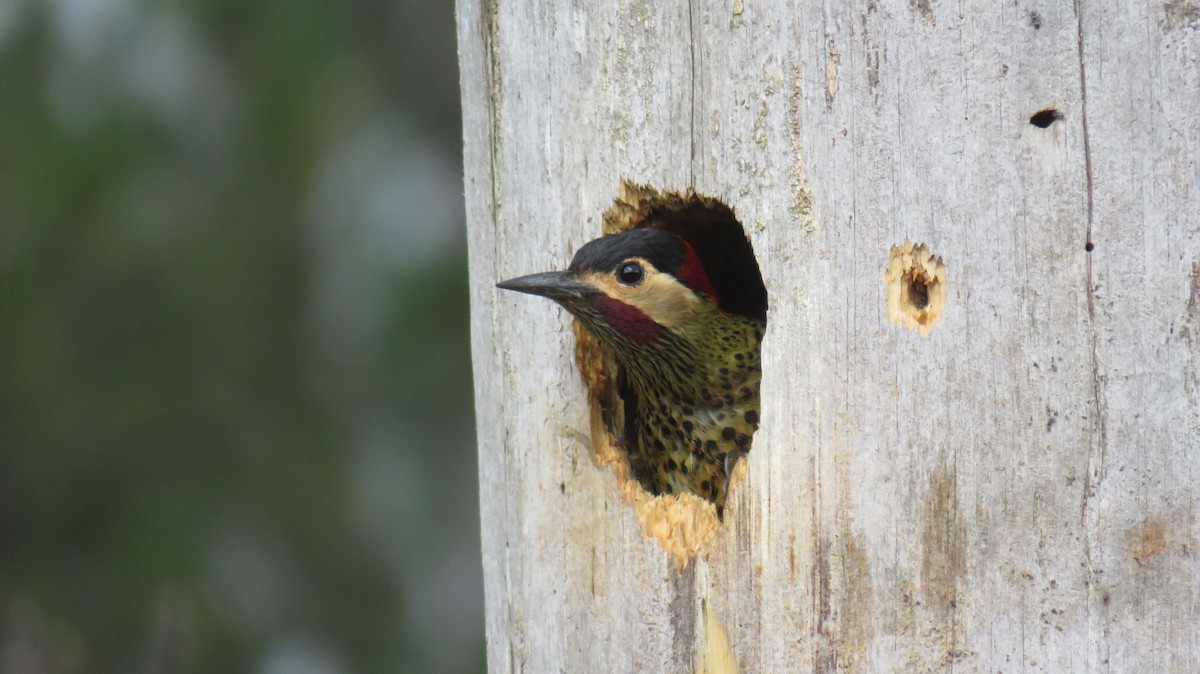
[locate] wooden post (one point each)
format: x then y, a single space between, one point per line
1016 491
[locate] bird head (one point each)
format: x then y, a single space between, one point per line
632 290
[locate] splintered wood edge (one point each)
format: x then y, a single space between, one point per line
635 202
683 524
716 656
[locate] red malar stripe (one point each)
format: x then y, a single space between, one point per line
631 322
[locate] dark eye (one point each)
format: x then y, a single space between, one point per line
631 274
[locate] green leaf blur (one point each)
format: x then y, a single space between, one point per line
235 417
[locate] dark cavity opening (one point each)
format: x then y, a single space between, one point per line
1089 246
1044 118
721 244
918 292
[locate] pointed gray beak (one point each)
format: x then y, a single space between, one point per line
561 286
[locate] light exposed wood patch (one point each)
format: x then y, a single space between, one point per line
715 657
916 287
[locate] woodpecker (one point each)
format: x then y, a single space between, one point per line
691 366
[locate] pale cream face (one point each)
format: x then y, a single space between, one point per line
659 296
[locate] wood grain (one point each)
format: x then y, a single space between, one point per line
1014 492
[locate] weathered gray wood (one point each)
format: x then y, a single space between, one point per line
1015 492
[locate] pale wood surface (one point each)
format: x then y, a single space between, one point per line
1016 492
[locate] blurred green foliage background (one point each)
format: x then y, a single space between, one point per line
235 395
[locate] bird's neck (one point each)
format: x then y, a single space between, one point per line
710 361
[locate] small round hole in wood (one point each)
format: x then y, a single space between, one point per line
1042 119
916 287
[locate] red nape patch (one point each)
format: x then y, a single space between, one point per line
631 322
691 274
